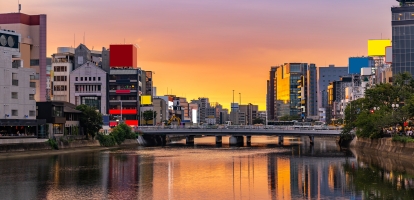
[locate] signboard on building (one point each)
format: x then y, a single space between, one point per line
9 40
146 100
388 55
377 47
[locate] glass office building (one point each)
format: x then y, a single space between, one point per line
403 37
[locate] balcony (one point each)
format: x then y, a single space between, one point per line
16 64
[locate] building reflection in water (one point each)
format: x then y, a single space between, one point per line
201 173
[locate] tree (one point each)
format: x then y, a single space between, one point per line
149 115
90 120
258 121
369 122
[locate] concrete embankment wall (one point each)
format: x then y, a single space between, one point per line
384 147
43 145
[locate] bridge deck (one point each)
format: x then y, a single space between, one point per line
240 132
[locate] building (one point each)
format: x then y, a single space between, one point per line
336 93
62 66
327 75
88 86
32 29
402 43
308 92
148 89
124 85
62 118
287 91
271 94
160 107
18 89
251 112
224 116
202 104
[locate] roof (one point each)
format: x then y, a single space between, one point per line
67 109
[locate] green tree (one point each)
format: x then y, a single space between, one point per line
258 121
361 116
122 132
149 115
90 120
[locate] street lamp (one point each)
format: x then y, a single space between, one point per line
121 109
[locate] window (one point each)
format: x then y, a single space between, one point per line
34 62
31 97
14 95
99 78
94 78
89 78
33 84
15 113
86 78
15 81
81 78
57 111
76 79
76 88
32 113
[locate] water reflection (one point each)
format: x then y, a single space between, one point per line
263 171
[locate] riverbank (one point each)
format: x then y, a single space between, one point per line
384 147
44 149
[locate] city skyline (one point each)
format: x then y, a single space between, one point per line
219 46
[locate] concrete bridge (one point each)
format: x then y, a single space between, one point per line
237 134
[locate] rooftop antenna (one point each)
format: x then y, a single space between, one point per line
20 5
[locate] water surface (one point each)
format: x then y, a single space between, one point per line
265 170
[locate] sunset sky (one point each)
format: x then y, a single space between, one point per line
208 48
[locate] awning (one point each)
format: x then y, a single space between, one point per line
70 110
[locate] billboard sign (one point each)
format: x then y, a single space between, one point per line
146 100
377 47
388 54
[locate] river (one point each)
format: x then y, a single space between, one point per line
264 170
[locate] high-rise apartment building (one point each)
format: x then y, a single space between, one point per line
271 94
32 29
403 37
308 90
18 105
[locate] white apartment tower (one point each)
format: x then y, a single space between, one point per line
17 85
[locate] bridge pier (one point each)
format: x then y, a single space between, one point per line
248 140
163 140
236 140
312 139
219 139
189 140
280 139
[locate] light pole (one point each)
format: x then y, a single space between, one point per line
121 110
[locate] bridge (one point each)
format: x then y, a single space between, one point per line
237 133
